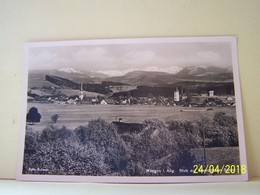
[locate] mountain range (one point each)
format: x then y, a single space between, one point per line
138 78
196 73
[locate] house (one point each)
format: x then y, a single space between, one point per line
204 94
213 102
229 98
125 101
94 101
71 101
184 97
128 127
107 101
197 100
211 93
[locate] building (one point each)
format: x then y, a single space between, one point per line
197 100
104 102
81 94
184 97
123 127
176 95
107 101
229 98
94 101
211 93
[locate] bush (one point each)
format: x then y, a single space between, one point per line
33 116
52 133
220 118
31 142
54 118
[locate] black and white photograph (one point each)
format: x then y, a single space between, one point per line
137 110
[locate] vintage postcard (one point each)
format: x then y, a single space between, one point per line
143 110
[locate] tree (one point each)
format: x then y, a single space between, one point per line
102 137
58 151
221 131
227 125
54 118
185 132
33 116
160 147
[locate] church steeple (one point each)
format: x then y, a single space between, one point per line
81 95
176 95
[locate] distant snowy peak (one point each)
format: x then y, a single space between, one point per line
204 70
69 70
195 69
229 69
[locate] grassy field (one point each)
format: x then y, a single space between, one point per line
73 116
218 156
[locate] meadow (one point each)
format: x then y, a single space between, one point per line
218 156
73 116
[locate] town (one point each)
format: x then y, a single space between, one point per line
179 98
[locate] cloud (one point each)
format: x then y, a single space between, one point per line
95 55
208 56
115 72
115 61
199 58
46 59
139 57
43 57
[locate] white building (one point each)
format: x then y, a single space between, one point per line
211 93
104 102
81 94
176 95
107 101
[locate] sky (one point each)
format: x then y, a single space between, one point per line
118 59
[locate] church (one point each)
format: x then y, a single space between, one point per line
176 95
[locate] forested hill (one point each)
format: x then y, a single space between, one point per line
187 87
63 82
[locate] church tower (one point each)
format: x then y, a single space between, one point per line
81 95
176 95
